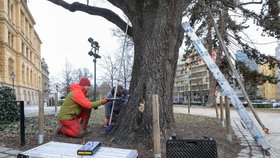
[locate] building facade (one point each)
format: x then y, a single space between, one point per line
191 80
180 83
199 79
20 51
277 56
268 90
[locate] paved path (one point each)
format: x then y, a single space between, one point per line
250 148
34 111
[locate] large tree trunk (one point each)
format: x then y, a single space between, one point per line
157 35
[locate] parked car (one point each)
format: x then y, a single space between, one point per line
257 101
276 105
177 102
243 101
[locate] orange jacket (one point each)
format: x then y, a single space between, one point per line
74 102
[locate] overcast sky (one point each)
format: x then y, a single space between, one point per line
65 34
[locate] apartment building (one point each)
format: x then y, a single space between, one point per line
20 51
192 79
180 82
268 90
199 78
277 56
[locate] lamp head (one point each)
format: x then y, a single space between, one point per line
13 75
90 40
90 53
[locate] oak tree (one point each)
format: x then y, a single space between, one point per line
157 35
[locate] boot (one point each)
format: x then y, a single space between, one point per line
82 134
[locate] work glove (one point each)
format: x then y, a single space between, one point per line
104 100
95 104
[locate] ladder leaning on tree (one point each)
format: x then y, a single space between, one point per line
250 124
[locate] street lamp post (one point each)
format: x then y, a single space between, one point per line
95 46
13 76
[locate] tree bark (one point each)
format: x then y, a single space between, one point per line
157 37
212 80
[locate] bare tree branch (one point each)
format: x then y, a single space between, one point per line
103 12
253 2
233 5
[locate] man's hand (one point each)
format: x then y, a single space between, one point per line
104 100
97 103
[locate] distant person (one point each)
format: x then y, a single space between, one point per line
122 95
73 115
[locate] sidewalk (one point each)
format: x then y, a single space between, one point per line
34 110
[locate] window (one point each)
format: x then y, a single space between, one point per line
12 12
23 73
30 56
9 38
9 12
12 40
39 80
22 20
35 79
27 53
30 28
26 27
31 77
23 49
27 75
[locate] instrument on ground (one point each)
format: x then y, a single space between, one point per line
89 148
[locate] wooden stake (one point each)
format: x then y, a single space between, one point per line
41 118
156 128
222 110
228 125
216 108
